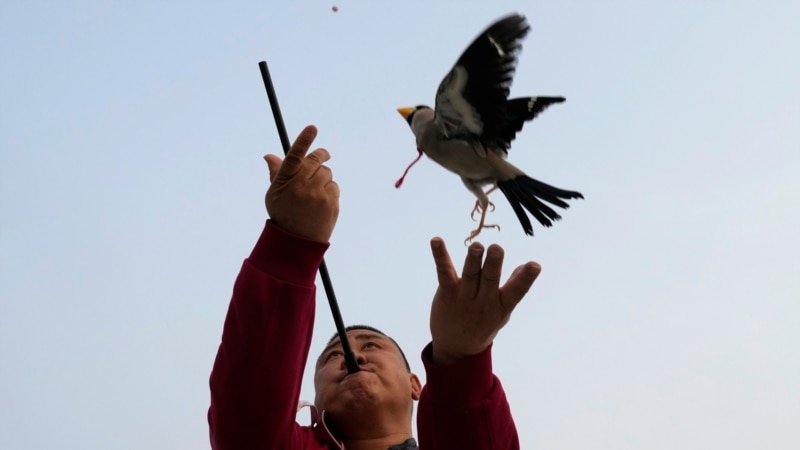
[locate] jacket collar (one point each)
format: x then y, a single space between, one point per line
324 434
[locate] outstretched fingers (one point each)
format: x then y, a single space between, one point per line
491 272
471 274
445 271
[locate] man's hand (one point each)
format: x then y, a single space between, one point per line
468 312
303 198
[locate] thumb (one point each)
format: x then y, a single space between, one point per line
274 164
518 284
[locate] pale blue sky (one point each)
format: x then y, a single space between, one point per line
131 189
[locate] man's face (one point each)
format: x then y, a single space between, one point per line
382 382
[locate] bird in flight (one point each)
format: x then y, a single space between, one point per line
471 128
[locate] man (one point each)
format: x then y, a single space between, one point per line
255 382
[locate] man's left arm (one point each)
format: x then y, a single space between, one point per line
463 405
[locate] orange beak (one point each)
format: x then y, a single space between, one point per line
405 112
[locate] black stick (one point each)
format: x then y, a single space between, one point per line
349 356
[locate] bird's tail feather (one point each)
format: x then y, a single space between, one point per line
524 191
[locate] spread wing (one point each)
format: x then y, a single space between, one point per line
472 100
518 111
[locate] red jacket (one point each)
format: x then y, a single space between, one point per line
255 382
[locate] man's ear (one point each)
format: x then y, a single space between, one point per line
416 386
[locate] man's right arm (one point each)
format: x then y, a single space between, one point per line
256 380
255 383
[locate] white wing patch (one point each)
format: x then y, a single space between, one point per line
496 45
453 111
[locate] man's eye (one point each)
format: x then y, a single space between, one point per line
370 345
333 354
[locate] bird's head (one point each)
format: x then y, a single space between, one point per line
410 112
416 122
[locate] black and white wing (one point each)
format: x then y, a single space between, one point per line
472 98
518 111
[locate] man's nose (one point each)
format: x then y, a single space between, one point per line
360 360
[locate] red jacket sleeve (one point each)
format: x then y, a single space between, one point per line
463 406
255 382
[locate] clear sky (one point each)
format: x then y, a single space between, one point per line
667 314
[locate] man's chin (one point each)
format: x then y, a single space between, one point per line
353 407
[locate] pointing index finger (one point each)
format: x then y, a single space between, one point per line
294 157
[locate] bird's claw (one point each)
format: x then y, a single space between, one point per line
478 208
477 231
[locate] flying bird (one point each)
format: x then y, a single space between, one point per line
471 128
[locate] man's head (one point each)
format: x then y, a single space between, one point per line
382 392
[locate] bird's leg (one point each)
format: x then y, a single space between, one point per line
478 204
481 225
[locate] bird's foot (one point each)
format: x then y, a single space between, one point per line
478 208
477 231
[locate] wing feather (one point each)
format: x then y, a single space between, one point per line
471 100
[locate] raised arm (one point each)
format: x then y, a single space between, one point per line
255 382
463 405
